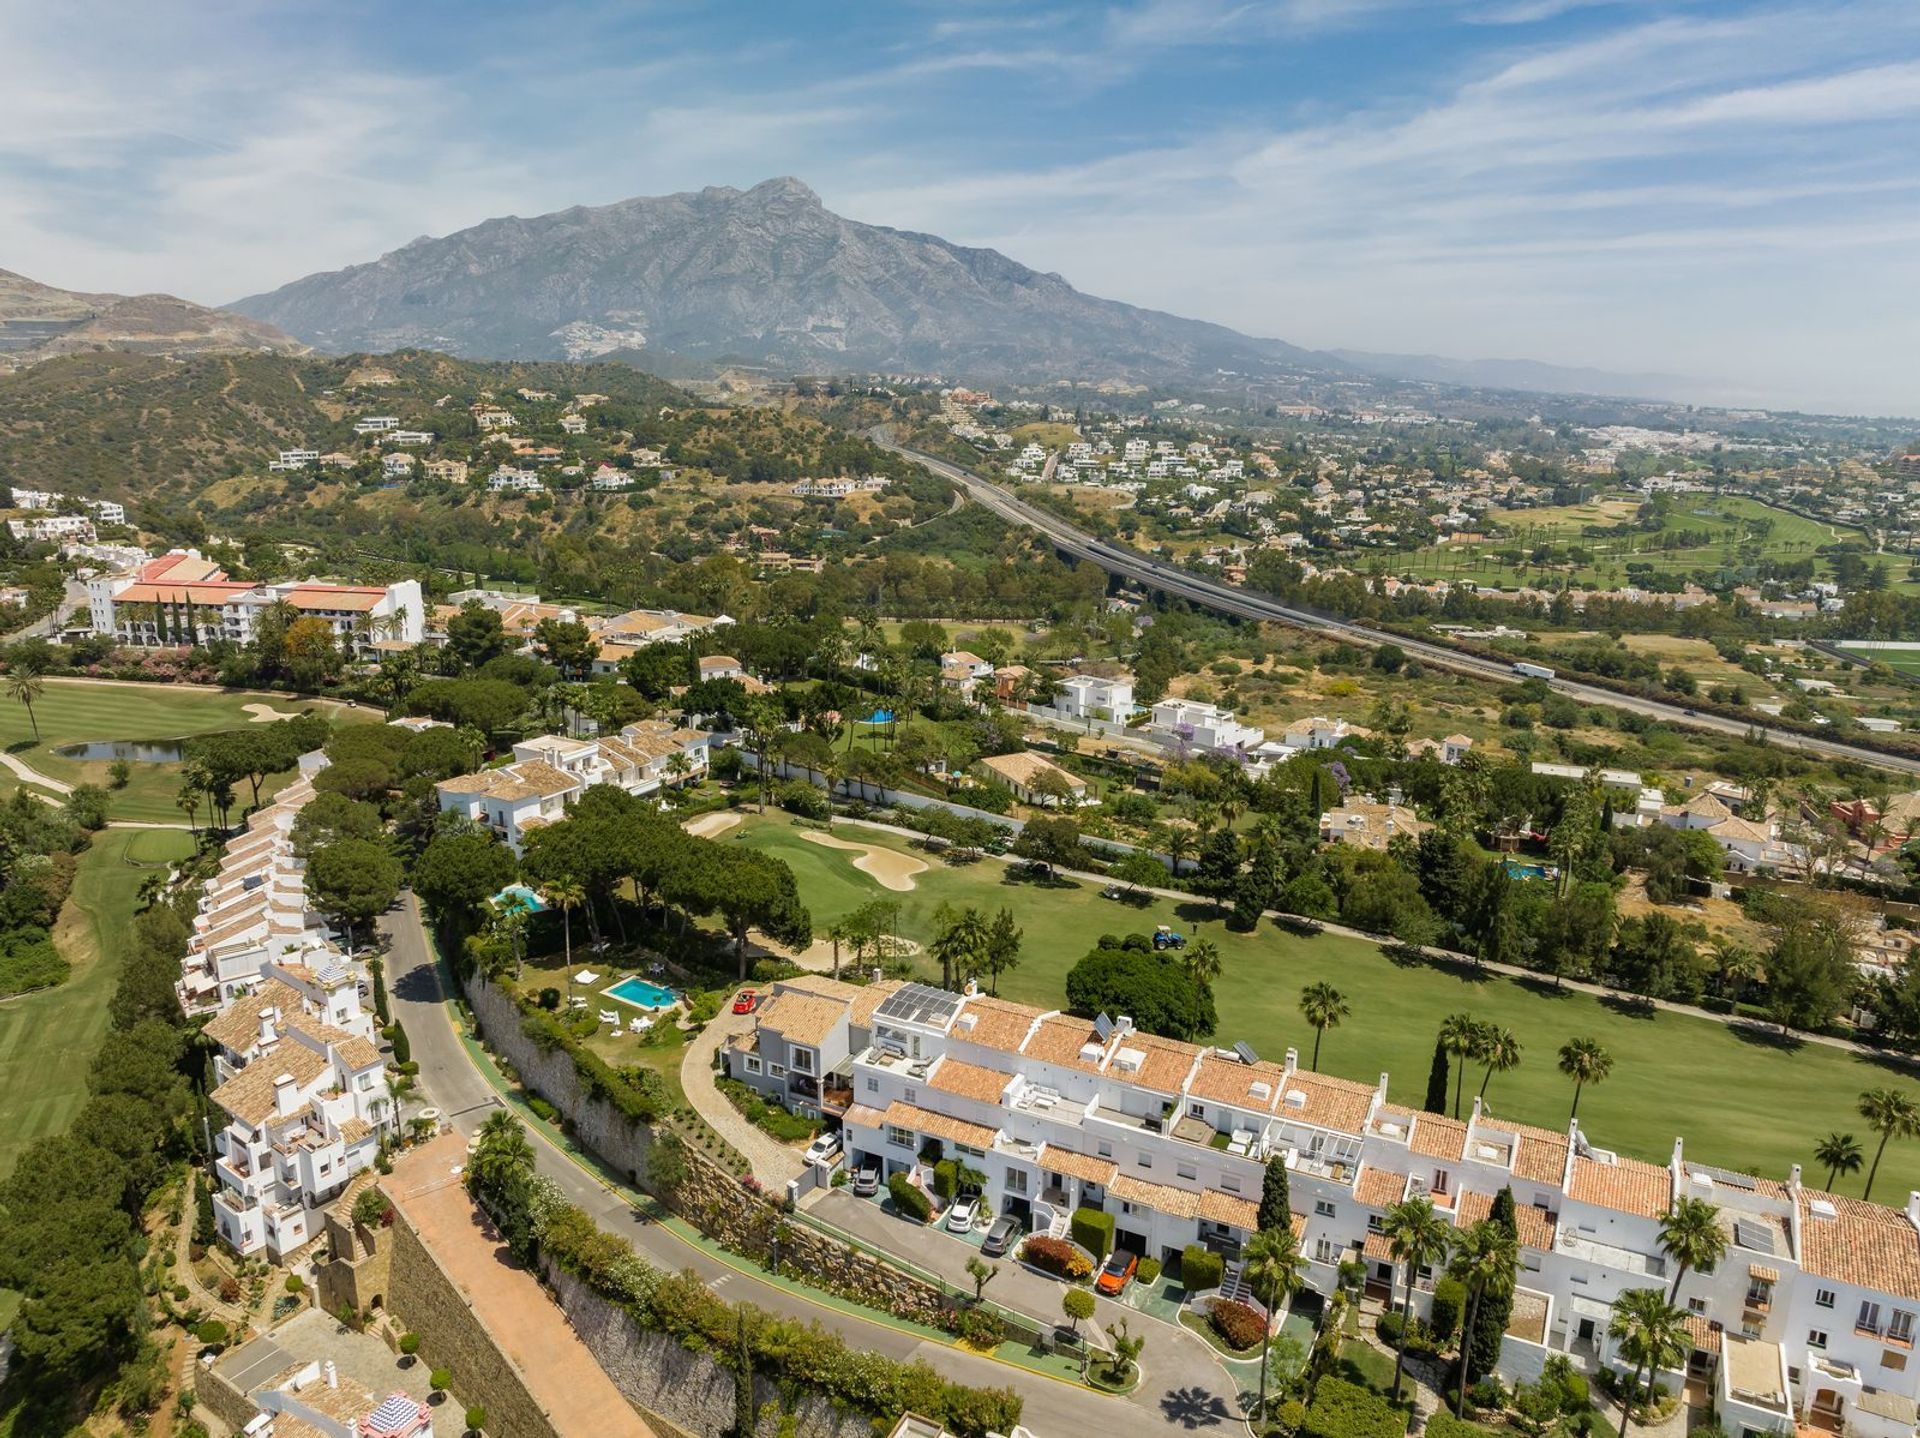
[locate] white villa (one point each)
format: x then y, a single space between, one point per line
1090 696
1809 1319
548 773
1203 727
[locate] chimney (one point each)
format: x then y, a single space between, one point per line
971 989
332 1374
267 1035
1913 1208
1123 1025
285 1095
1293 1059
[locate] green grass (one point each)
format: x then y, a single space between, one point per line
72 713
46 1038
1738 1100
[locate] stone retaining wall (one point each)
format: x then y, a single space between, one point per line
693 1391
453 1337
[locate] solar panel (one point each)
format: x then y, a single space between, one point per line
1744 1181
919 1004
1103 1026
1755 1236
1246 1053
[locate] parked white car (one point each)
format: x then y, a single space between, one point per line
960 1217
825 1149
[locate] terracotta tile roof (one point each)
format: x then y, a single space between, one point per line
1162 1065
1231 1209
248 1095
1542 1157
1084 1167
860 999
1626 1186
802 1018
954 1076
1160 1197
1025 768
939 1125
747 1043
532 779
334 596
1228 1081
1862 1244
237 1026
352 1130
1536 1229
1379 1187
1379 1247
1437 1137
1702 1332
998 1024
358 1053
1059 1040
1333 1103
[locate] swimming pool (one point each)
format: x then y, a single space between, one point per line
519 897
642 995
1529 871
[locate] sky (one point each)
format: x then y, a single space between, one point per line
1723 190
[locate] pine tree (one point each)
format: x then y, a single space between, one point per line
1437 1080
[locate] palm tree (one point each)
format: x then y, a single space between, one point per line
24 686
1585 1062
1499 1051
1485 1258
567 895
959 943
1417 1237
1203 961
1891 1114
1838 1153
1460 1036
1691 1237
1322 1006
1271 1265
1652 1335
187 801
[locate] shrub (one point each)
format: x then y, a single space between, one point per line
543 1110
980 1328
409 1344
1291 1415
295 1283
229 1290
1093 1231
909 1201
946 1179
1239 1327
550 1000
1487 1392
476 1418
440 1380
212 1331
1056 1256
1392 1328
797 796
1149 1270
1346 1410
179 1293
1444 1425
370 1208
1449 1301
1200 1268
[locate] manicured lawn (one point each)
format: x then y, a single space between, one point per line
72 713
1740 1102
48 1037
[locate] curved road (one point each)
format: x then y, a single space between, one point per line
1157 574
1178 1395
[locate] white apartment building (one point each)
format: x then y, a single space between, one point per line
292 459
517 481
1203 727
50 528
1090 696
1809 1318
305 1095
377 424
548 773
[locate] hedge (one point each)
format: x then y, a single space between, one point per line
1201 1268
1056 1256
946 1179
1449 1302
1093 1231
1346 1410
805 1355
908 1199
598 1078
1238 1325
1444 1425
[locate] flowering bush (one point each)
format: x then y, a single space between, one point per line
1238 1325
1058 1257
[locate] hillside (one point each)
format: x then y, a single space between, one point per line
767 276
38 322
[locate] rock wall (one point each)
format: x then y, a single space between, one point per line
692 1391
451 1336
224 1401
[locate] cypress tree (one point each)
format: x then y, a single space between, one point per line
1276 1209
1437 1080
1490 1323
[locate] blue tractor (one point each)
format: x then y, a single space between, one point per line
1168 938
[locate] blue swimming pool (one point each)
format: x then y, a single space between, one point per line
519 897
1529 871
642 994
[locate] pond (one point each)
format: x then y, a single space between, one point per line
138 751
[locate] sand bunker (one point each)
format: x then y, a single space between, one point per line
891 870
267 714
707 825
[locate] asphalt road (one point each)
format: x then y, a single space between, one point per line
1143 569
1051 1408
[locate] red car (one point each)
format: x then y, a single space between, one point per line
1117 1272
746 1001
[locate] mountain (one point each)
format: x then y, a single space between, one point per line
761 276
38 321
1520 374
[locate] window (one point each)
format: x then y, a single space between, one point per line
1145 1160
899 1137
912 1095
1900 1326
873 1084
1230 1184
1696 1305
1322 1207
1186 1170
1125 1208
1196 1110
1817 1339
777 1070
753 1065
1823 1298
1376 1224
1324 1251
1104 1148
802 1061
1869 1319
1440 1180
1016 1180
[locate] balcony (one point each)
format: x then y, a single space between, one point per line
836 1098
1607 1255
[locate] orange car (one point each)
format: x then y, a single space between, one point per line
1117 1272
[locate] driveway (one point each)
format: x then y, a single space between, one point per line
773 1162
464 1096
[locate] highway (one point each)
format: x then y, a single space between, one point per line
1144 569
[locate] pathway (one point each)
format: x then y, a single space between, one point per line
34 776
773 1162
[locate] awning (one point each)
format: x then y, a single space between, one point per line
1764 1274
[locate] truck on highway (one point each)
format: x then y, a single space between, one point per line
1533 671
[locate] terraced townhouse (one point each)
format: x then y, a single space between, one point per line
1808 1321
